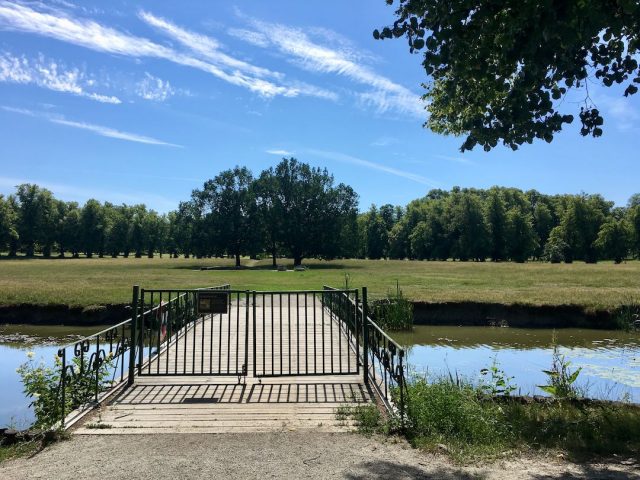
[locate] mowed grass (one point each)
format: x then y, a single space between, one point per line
86 282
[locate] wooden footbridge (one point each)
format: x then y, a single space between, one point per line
218 360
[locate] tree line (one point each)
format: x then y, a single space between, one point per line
296 211
503 224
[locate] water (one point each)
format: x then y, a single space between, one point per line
610 360
15 342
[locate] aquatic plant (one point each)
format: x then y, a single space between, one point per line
627 316
495 382
561 379
394 312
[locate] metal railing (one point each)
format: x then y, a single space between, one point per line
167 336
94 365
180 341
299 333
382 357
91 366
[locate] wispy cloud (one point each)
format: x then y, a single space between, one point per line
449 158
82 194
61 26
204 45
97 129
342 157
384 141
49 74
255 38
382 93
154 88
276 151
623 113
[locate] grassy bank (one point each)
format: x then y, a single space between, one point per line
83 282
465 423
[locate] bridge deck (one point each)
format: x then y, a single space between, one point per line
169 401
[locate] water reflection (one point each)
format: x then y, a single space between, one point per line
610 359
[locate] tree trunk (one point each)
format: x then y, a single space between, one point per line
297 260
237 260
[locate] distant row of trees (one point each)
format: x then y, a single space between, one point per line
503 224
297 211
292 209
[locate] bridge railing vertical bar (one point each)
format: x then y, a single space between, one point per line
382 358
92 367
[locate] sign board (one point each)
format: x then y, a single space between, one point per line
213 301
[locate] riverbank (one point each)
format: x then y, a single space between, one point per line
86 282
97 291
521 316
281 455
425 313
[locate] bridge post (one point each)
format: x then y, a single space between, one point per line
365 336
133 340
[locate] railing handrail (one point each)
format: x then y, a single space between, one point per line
145 313
400 379
370 320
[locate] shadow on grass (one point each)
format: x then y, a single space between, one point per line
269 267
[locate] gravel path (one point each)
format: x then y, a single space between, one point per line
273 455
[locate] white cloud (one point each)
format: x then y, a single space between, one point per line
342 157
255 38
154 88
89 34
50 75
97 129
382 93
625 116
384 141
449 158
204 45
281 152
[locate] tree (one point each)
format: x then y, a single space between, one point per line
267 192
614 239
314 211
468 230
35 205
70 235
543 223
496 218
8 224
376 234
520 235
634 222
119 240
581 223
228 200
92 225
555 250
500 70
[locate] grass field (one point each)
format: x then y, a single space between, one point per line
84 282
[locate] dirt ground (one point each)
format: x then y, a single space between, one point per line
276 455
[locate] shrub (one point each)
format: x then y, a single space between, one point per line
42 384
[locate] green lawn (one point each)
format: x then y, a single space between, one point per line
105 281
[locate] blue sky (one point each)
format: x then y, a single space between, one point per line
142 102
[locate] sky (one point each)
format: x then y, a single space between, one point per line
141 102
